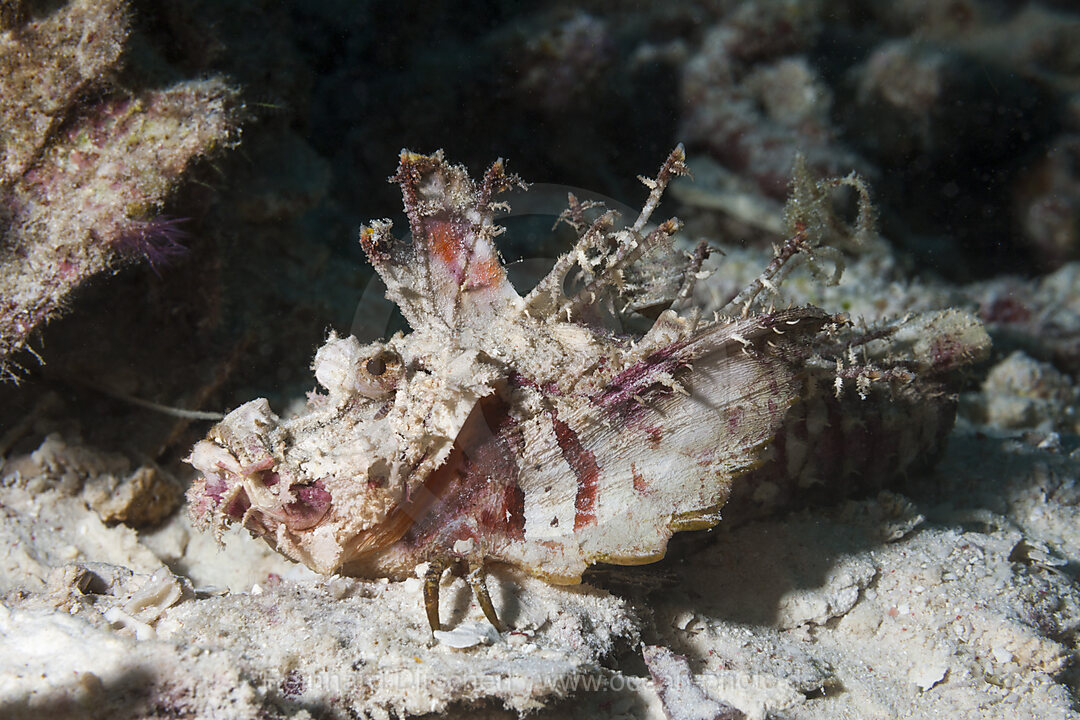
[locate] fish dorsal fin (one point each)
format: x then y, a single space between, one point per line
447 271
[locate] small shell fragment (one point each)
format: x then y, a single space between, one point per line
467 635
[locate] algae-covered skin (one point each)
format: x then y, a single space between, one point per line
84 168
525 430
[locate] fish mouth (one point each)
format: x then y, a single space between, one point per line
255 495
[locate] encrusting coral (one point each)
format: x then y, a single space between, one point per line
84 167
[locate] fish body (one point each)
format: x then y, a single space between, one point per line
512 428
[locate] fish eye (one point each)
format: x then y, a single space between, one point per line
377 365
380 373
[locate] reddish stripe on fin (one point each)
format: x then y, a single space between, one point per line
641 485
583 463
463 256
446 242
495 472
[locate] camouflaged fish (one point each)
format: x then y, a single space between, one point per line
524 429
